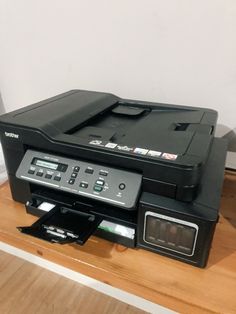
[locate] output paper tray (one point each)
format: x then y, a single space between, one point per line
64 225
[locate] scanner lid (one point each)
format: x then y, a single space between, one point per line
103 122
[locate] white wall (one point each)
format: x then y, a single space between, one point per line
173 51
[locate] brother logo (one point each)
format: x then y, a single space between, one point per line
12 135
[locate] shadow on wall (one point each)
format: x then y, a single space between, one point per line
2 109
231 155
230 135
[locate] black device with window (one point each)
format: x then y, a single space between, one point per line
142 174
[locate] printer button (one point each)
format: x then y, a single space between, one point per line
31 171
74 175
89 170
48 176
39 173
97 188
103 173
100 182
83 185
71 181
57 178
122 186
76 169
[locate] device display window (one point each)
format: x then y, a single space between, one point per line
170 233
49 164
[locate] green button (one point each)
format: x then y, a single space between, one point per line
97 188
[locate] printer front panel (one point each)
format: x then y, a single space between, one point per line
111 195
109 185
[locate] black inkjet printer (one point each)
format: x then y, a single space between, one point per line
142 174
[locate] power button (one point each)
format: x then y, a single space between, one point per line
122 186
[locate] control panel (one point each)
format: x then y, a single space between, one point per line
110 185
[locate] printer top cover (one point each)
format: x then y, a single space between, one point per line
168 144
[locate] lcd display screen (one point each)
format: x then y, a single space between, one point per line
45 164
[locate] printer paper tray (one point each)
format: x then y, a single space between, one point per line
64 225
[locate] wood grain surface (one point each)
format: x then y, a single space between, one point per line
28 289
170 283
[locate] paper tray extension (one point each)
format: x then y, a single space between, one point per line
63 225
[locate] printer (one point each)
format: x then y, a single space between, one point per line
142 174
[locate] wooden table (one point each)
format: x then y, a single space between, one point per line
170 283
